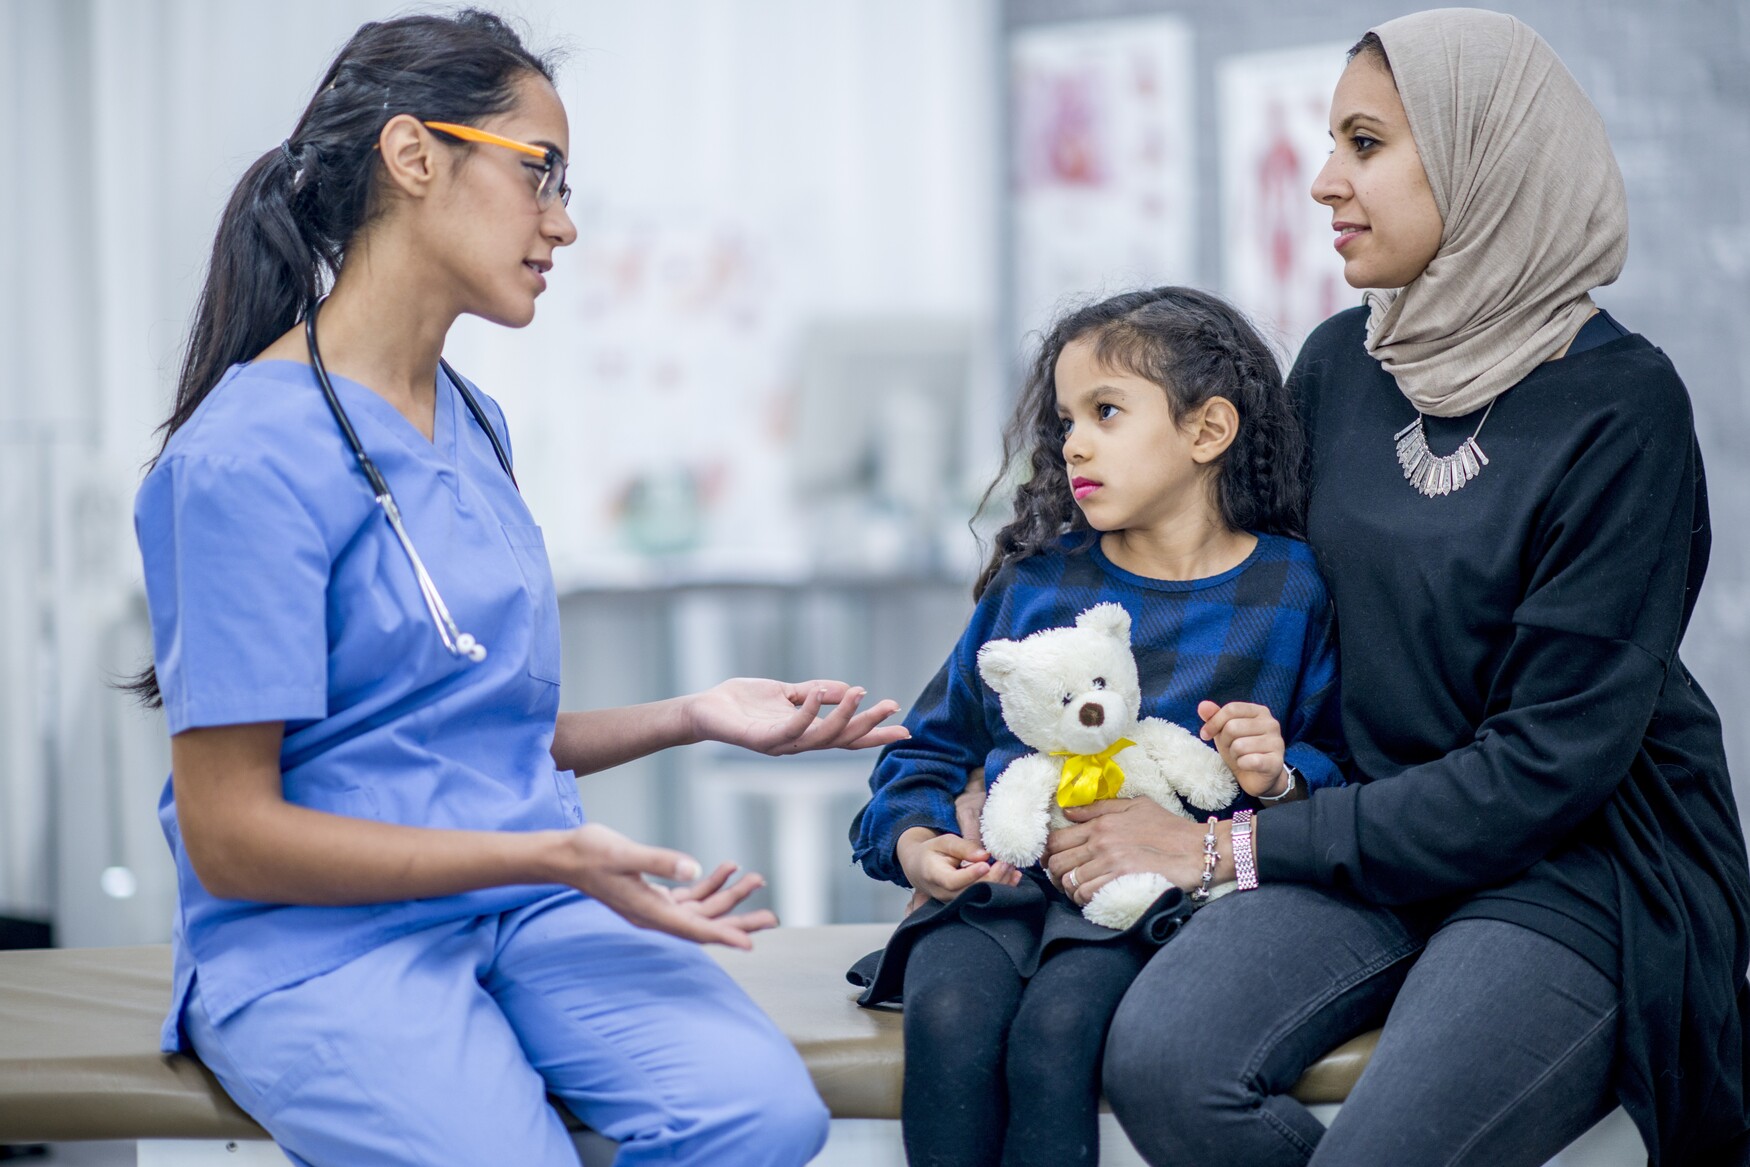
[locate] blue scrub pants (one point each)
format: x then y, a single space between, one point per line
440 1047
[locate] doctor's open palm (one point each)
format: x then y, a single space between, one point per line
612 868
779 717
766 716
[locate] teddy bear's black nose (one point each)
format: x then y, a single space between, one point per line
1092 714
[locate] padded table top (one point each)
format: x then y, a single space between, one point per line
79 1040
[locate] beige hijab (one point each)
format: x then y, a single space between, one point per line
1531 199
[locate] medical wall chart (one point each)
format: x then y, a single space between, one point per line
1102 161
1277 261
669 442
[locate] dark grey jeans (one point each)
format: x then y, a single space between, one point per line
1497 1049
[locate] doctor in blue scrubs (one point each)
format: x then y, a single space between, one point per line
397 934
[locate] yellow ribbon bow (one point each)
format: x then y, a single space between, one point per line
1090 777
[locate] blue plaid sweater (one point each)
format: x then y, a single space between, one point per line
1258 632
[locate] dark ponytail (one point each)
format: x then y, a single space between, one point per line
1194 346
287 226
262 273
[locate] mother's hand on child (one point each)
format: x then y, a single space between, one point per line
969 808
776 717
1119 836
609 867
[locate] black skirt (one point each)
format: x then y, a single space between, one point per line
1030 922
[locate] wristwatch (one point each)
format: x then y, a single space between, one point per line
1293 780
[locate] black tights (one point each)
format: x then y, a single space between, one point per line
977 1036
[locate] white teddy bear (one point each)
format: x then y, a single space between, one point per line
1073 695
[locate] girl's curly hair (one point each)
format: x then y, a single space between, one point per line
1195 346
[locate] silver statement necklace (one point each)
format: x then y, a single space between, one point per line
1437 474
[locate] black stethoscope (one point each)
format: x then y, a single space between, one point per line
459 643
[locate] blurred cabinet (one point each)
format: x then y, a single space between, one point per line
785 817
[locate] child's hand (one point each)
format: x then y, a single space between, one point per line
941 865
1001 872
1249 739
968 807
969 813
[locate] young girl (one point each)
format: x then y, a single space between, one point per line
1165 466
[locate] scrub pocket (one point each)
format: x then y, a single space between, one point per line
531 556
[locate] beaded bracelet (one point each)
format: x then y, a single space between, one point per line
1210 858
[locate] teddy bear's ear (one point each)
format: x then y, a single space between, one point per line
1110 619
997 662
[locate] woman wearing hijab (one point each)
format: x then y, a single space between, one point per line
1537 881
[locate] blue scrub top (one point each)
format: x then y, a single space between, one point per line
278 592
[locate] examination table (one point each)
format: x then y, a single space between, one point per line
79 1044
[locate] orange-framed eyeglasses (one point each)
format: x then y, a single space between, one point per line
552 167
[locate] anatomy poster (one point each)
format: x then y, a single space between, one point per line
1277 258
1103 178
658 369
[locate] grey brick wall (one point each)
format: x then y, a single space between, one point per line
1672 81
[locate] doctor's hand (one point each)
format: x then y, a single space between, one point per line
609 867
776 717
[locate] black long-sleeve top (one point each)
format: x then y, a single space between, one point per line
1526 744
